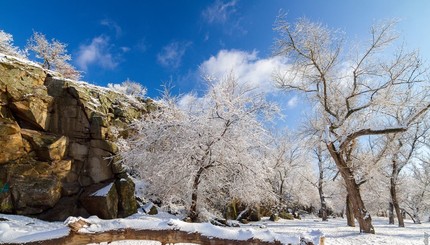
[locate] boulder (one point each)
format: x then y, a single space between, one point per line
65 207
101 200
12 147
78 151
34 194
98 165
33 112
127 204
47 146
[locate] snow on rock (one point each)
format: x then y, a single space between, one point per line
11 59
103 191
147 207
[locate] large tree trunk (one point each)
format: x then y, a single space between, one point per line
390 213
396 206
349 211
353 190
323 210
393 193
193 208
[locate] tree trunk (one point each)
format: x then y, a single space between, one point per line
323 209
349 212
390 213
353 189
193 208
281 190
416 218
393 193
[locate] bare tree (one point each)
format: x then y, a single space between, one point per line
352 93
201 151
129 87
54 55
417 196
7 47
286 158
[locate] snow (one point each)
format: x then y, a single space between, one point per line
20 229
140 242
147 207
130 242
103 191
4 58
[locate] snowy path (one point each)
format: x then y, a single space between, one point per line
337 233
19 229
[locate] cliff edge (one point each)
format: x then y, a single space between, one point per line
57 145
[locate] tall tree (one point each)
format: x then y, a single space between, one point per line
352 93
205 151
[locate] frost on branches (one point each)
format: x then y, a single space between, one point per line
7 47
354 91
207 151
129 87
54 55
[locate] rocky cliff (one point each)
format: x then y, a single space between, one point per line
57 145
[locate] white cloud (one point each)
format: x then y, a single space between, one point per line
171 54
125 49
246 66
219 12
292 103
97 52
113 26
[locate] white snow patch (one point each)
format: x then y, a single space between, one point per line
147 207
21 229
12 59
103 191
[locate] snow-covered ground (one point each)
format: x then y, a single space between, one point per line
20 229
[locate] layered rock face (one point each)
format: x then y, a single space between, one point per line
57 145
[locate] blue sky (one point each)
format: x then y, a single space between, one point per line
152 42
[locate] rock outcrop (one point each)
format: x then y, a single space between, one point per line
57 144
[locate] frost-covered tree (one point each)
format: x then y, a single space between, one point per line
7 47
54 55
404 148
352 92
291 171
417 194
203 152
129 87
